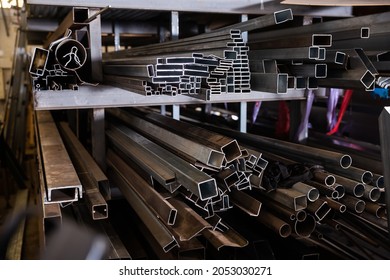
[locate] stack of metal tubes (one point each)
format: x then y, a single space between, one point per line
211 63
182 181
347 53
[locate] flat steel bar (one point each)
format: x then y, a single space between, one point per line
61 180
171 140
198 182
160 206
160 233
384 122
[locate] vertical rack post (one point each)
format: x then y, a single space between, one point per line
175 36
384 132
97 122
244 105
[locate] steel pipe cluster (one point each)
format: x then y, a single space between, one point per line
211 63
348 53
343 199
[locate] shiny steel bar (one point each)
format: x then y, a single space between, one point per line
198 182
160 206
160 233
171 140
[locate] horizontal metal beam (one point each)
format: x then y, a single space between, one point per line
104 96
216 6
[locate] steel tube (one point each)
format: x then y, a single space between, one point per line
312 193
269 82
306 227
160 233
353 173
319 208
172 141
352 187
324 190
371 193
161 207
375 209
226 145
274 223
199 183
290 198
354 204
336 205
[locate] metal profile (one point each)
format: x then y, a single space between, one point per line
290 198
319 208
353 203
61 180
201 184
274 223
160 233
246 203
162 209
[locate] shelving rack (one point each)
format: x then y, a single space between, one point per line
103 96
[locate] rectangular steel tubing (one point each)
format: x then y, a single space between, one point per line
159 231
269 82
245 202
304 53
198 182
302 40
61 180
327 26
290 198
126 70
319 208
171 140
52 215
309 70
377 42
227 145
161 207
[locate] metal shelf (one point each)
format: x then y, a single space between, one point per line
104 96
215 6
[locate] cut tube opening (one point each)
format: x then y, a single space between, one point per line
99 212
232 151
367 177
340 190
300 215
358 190
345 161
313 194
216 159
330 180
283 16
306 227
360 206
374 194
207 189
285 230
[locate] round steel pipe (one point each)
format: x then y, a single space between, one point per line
372 193
274 223
354 204
71 54
378 210
305 228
